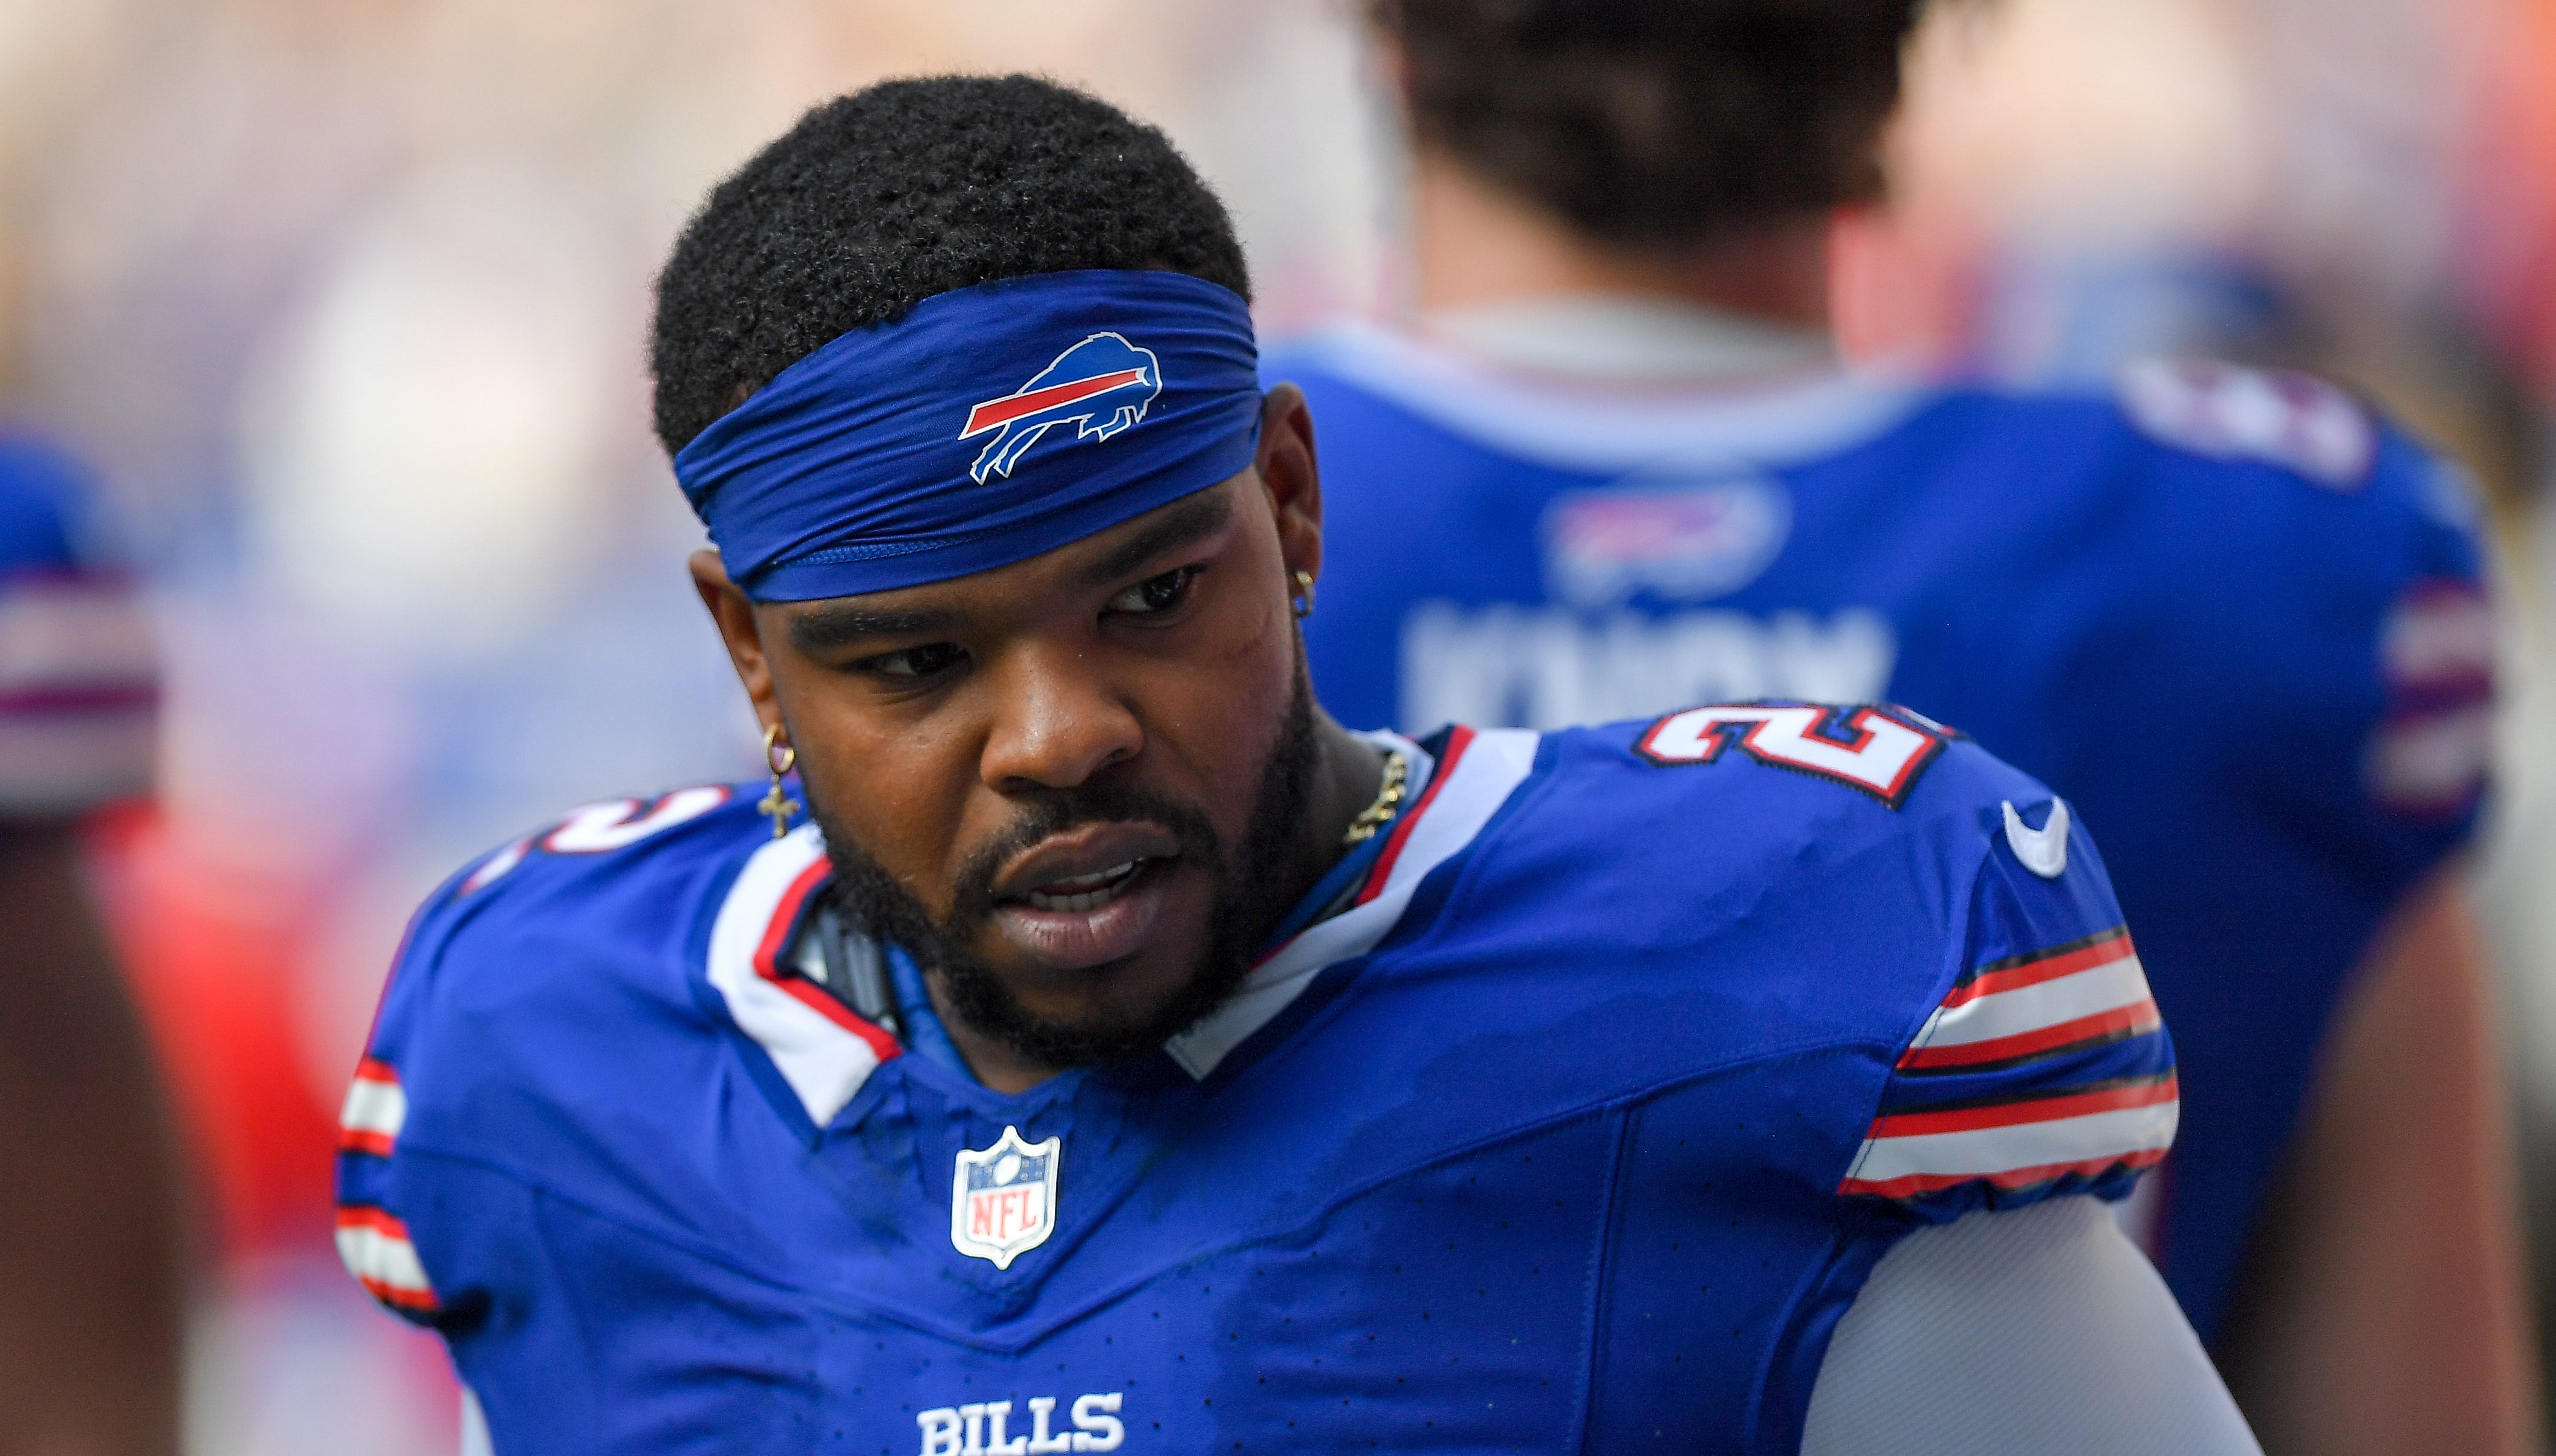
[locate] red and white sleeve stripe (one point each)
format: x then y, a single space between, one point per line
374 1110
78 692
2062 998
2033 1068
377 1251
2020 1143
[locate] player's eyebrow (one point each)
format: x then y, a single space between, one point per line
1201 515
835 626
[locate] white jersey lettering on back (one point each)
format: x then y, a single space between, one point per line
1546 668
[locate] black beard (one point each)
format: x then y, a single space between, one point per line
1251 894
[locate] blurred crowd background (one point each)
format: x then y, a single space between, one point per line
347 300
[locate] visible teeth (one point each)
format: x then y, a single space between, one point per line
1085 882
1089 901
1104 888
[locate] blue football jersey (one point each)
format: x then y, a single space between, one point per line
2233 618
1631 1053
78 689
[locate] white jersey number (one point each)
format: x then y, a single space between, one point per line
599 828
619 823
1881 753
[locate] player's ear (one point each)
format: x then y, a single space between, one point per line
1290 477
733 612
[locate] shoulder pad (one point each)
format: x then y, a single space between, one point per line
573 906
2045 1068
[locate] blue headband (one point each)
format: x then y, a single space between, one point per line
988 426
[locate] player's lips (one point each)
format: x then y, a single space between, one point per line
1086 896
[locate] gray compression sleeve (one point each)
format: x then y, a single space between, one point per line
2042 1329
474 1427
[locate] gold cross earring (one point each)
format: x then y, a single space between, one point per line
1303 605
780 756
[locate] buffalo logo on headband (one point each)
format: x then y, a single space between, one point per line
1100 386
850 471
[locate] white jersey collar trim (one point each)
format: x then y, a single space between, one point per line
820 1047
825 1053
1610 427
1479 772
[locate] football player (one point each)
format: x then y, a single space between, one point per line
2237 622
90 1281
1083 1042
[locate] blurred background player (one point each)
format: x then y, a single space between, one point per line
2238 621
90 1281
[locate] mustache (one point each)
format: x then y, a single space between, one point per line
1246 875
1044 818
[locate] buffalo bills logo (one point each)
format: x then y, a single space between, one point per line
1100 386
1678 541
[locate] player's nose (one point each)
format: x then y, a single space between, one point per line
1056 722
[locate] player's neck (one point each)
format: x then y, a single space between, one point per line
1478 246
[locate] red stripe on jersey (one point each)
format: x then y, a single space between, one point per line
394 1294
2020 1178
2111 946
2026 1110
1009 408
776 938
69 577
90 698
2118 1021
1458 740
367 1216
379 1221
369 1139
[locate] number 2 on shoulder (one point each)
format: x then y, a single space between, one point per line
1878 750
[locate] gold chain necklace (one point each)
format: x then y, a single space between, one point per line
1388 798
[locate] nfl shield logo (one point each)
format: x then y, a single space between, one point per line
1002 1203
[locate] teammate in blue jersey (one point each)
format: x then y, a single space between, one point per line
1116 1053
2233 619
90 1288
